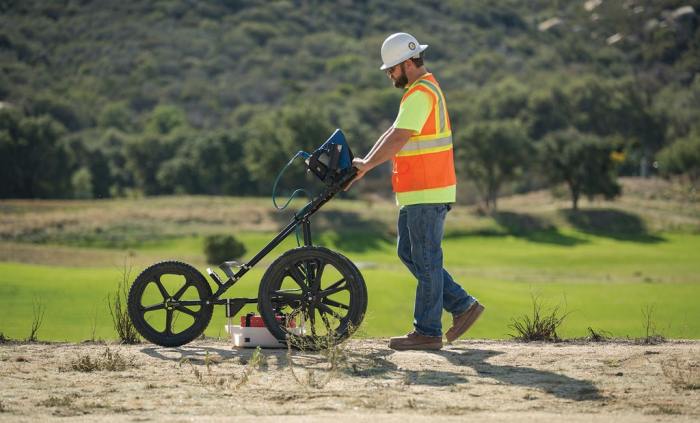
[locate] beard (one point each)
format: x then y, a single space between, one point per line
402 80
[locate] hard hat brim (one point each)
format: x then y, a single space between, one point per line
386 66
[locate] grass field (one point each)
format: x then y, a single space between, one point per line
603 283
604 265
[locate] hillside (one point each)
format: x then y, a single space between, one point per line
117 97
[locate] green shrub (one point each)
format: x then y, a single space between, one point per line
681 157
220 248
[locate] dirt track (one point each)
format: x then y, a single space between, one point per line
208 380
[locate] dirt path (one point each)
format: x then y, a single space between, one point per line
208 380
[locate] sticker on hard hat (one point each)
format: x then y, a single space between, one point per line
412 45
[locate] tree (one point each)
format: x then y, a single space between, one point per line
547 111
274 139
166 130
166 118
682 158
146 154
90 162
492 153
582 161
59 109
116 115
206 164
506 99
606 108
82 183
33 160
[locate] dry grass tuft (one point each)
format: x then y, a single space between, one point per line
598 335
52 401
195 371
212 379
541 326
334 353
255 362
38 310
651 336
118 310
109 360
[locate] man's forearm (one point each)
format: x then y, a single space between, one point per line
386 147
378 143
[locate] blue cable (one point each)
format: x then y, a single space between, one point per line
305 156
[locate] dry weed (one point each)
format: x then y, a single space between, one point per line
211 378
256 360
333 352
598 336
109 360
195 371
38 310
651 336
541 326
119 312
94 325
52 401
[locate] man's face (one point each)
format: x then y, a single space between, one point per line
397 74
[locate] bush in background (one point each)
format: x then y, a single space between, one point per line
220 248
682 157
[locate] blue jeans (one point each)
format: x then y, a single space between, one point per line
420 231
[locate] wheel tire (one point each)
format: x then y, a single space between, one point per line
137 311
353 290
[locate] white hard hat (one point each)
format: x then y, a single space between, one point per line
399 47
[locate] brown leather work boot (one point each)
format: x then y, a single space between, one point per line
416 341
463 321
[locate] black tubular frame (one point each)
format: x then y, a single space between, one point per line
234 305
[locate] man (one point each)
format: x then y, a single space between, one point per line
423 177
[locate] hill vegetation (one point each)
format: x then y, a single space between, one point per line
114 98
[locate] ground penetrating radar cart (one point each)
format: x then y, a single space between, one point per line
306 294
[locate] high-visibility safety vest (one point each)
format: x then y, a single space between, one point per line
423 170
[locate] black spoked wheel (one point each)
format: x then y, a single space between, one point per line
312 296
166 303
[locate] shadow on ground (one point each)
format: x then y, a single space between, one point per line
198 355
348 231
611 223
376 363
525 226
552 383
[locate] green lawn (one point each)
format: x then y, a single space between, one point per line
604 282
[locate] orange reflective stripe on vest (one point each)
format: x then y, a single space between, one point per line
426 162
